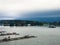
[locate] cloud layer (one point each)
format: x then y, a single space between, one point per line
21 5
12 9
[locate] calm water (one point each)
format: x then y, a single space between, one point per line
45 35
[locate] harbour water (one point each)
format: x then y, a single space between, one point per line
45 35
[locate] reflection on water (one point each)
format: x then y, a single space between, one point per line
45 35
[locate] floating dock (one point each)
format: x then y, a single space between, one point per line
17 38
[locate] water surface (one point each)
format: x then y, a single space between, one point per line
45 35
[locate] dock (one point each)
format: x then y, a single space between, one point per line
17 38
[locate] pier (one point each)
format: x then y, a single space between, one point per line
17 38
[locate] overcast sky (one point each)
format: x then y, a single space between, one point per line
11 7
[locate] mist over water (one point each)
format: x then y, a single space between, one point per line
45 35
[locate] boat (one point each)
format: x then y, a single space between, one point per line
52 26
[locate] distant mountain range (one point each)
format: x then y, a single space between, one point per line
42 16
43 19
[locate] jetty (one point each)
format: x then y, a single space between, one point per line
17 38
4 33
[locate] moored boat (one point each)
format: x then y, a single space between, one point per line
52 26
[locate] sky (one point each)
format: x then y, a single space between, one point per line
9 9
